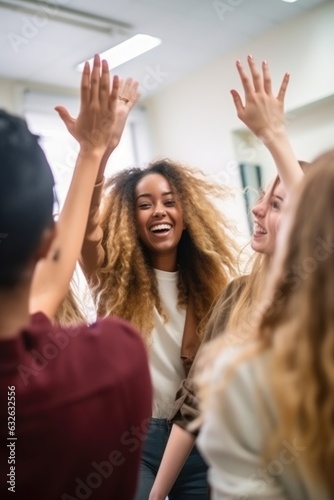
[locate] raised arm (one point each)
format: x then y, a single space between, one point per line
92 129
92 252
263 113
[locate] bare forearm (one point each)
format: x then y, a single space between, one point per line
102 166
286 162
180 444
92 128
52 276
73 217
92 252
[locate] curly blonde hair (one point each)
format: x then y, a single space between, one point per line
297 326
126 283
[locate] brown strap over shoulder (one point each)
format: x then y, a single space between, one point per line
190 340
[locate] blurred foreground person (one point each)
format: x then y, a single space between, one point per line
71 398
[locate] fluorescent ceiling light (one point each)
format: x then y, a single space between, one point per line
289 1
58 12
123 52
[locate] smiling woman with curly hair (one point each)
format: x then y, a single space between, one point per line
158 254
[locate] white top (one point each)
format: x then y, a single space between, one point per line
232 439
166 366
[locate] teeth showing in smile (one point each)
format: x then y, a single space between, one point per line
259 229
160 227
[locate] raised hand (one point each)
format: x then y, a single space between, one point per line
98 100
120 105
92 128
128 96
263 112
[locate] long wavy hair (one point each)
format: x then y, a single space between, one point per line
69 312
247 311
297 327
126 283
244 312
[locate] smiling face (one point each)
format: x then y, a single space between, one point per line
266 215
159 220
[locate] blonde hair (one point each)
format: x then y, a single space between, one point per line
246 311
126 283
297 325
69 313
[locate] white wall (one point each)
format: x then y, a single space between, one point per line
194 119
12 94
311 130
7 96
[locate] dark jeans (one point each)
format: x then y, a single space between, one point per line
191 483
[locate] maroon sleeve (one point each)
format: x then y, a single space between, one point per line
83 402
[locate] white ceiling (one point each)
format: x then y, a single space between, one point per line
193 33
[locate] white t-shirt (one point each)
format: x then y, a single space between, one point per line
166 366
234 432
